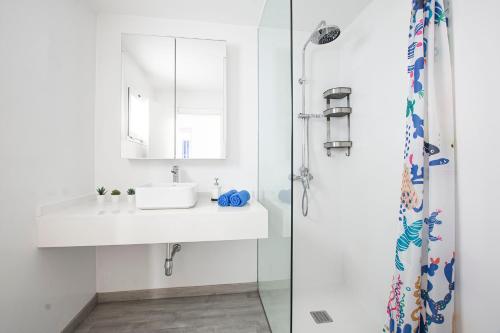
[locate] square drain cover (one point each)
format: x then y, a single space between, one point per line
321 317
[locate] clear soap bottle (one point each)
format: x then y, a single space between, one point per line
216 190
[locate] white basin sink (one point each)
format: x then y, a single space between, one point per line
166 195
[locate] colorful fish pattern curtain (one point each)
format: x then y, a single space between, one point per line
422 290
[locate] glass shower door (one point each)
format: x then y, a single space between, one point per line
275 162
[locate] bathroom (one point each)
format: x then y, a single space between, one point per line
313 249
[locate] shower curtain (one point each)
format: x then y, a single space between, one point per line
422 290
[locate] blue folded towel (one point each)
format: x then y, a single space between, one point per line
239 199
224 198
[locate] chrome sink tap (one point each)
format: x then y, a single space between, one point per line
175 174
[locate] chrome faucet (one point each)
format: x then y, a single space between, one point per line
175 174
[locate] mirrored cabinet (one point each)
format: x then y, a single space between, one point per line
173 98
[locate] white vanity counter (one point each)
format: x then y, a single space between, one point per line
84 222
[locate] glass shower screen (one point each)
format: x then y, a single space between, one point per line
275 162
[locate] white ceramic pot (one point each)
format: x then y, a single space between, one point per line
100 199
115 199
131 199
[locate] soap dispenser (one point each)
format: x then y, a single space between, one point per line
215 190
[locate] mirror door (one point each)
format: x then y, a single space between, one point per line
148 96
200 99
173 98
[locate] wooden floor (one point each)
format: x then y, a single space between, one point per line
232 313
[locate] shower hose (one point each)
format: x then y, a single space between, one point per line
305 201
305 194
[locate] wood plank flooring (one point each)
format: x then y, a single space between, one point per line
233 313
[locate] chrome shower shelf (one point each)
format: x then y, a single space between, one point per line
337 112
337 93
337 144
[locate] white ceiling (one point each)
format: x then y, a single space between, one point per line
241 12
306 13
155 56
200 65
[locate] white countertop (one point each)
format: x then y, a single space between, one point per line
84 222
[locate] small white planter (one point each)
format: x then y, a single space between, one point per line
131 199
115 199
101 199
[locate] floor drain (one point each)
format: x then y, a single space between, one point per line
321 317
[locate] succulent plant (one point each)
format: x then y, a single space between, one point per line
131 191
116 192
101 190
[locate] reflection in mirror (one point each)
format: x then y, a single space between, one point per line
200 98
138 117
148 96
199 133
173 98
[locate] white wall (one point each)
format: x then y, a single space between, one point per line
354 199
47 85
346 242
476 50
140 267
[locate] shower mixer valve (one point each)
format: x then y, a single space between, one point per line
304 175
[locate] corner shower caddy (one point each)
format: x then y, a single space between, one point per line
335 112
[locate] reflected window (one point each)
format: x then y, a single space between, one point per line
138 116
199 133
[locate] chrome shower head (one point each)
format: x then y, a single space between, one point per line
325 34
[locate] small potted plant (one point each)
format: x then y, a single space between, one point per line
131 195
115 196
101 194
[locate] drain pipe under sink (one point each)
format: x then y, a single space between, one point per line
172 249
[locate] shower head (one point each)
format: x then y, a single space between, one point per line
325 34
